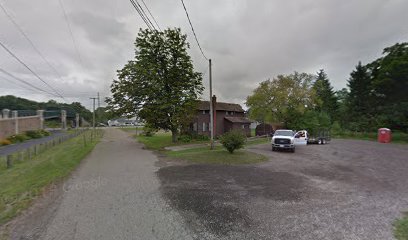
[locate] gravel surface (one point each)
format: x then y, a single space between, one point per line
345 190
113 195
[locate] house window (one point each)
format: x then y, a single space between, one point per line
203 112
204 127
243 126
226 113
232 113
195 127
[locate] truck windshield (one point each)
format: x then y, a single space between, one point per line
284 133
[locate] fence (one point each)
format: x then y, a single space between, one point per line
32 151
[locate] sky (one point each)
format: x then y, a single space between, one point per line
248 41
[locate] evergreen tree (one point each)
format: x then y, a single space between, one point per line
327 101
359 99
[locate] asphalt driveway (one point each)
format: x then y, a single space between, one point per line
348 189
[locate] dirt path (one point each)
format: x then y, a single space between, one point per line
113 195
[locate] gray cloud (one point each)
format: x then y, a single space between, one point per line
249 41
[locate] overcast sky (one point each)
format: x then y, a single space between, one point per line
249 41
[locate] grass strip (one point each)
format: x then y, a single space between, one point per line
217 156
22 183
401 228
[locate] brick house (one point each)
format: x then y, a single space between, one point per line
227 116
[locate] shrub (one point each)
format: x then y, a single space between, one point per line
233 140
34 134
5 142
185 138
44 132
201 137
18 138
148 131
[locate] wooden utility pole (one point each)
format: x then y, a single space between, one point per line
93 116
99 101
211 108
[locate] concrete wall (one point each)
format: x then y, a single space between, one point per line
16 125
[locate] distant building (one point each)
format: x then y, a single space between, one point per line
121 122
228 116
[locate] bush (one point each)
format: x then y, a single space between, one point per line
148 131
18 138
5 142
185 138
201 137
34 134
37 133
233 140
44 132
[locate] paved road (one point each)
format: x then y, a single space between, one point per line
6 150
114 195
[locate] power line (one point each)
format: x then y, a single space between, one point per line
141 14
25 82
28 39
192 28
154 19
147 17
70 31
35 74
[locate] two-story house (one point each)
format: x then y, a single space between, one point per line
227 116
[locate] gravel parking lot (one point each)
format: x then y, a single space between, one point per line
348 189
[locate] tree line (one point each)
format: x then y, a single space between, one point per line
377 96
17 103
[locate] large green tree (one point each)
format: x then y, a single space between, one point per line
359 100
284 99
326 98
390 87
160 84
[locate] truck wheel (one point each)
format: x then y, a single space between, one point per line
319 141
293 150
323 141
273 149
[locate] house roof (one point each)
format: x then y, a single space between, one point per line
238 119
221 106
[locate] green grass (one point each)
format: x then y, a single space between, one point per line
401 229
257 141
25 180
202 154
217 156
397 137
161 140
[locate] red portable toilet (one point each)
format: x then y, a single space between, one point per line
384 135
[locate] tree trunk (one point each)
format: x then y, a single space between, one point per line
174 136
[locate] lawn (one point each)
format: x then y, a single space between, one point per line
217 156
401 229
202 154
25 180
163 139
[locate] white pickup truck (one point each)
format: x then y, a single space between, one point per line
288 139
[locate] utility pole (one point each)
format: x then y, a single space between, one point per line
211 108
93 116
99 101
